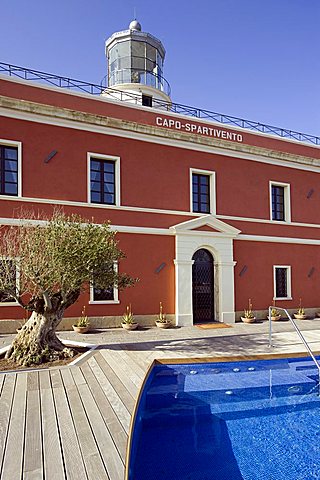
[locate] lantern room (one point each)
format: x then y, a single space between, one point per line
135 66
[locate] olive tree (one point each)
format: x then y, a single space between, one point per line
56 260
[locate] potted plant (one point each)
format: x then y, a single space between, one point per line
162 321
128 321
275 314
248 316
300 315
82 325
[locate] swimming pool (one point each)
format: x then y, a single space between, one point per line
245 420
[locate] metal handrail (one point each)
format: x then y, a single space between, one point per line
94 89
298 332
136 75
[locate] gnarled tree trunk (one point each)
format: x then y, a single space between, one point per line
36 342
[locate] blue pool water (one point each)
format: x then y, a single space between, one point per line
228 421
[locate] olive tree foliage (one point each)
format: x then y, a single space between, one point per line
55 259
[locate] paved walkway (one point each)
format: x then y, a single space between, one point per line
73 422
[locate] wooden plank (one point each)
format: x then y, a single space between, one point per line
110 418
52 455
108 450
116 383
143 359
78 375
121 372
71 452
131 364
91 456
13 456
6 399
33 467
114 399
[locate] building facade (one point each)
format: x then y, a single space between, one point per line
208 215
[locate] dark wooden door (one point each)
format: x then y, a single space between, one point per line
202 287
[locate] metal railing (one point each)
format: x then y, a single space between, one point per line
135 75
94 89
299 334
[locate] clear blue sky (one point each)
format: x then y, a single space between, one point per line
256 59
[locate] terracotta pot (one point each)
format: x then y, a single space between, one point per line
299 317
129 326
276 318
248 320
80 329
163 324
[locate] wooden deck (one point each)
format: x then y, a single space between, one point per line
73 422
69 423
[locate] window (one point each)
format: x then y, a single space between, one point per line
104 181
8 270
282 282
280 202
8 170
146 100
104 295
202 191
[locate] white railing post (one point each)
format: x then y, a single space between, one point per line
270 329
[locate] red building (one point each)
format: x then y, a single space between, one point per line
208 215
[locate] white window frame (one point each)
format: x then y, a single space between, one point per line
289 294
106 302
287 200
112 158
15 303
212 189
18 145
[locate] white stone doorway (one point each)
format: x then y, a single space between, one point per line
216 237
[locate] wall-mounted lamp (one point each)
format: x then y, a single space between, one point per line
161 267
311 271
310 193
243 271
51 155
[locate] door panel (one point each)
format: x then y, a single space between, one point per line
202 287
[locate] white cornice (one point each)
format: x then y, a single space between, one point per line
171 232
268 239
161 136
134 209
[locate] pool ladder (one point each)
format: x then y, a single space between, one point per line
300 335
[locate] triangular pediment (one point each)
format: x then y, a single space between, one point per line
205 228
207 223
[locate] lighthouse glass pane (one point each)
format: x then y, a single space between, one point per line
151 58
112 55
159 61
138 63
122 49
124 62
138 55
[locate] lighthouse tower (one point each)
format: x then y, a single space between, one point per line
135 68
